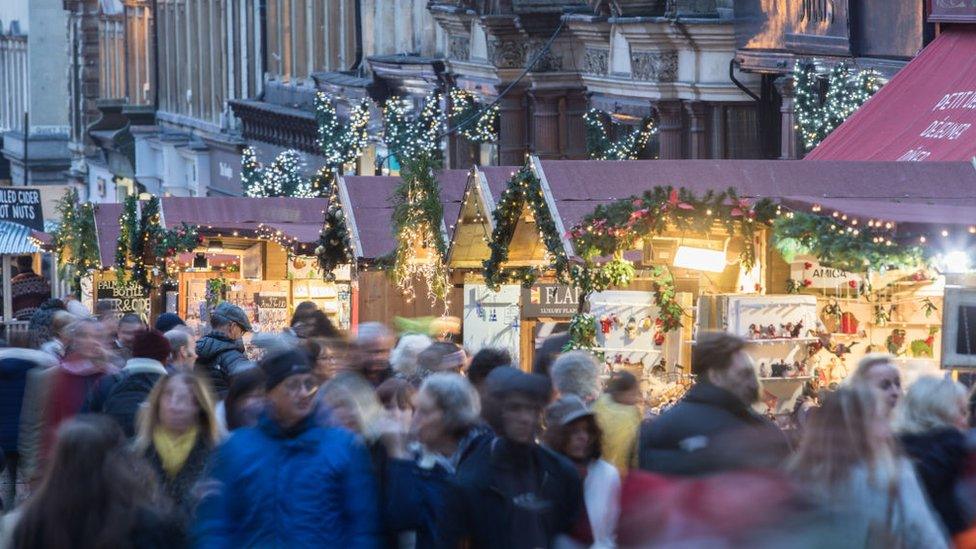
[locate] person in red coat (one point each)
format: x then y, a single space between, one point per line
85 362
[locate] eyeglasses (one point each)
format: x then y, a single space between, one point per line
300 385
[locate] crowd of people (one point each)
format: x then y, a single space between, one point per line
120 434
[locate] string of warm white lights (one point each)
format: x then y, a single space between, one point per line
629 147
464 109
847 89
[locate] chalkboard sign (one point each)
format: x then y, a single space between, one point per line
126 298
22 206
271 301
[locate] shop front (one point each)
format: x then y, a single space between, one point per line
816 264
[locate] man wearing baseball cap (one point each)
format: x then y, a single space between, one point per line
289 481
512 492
220 354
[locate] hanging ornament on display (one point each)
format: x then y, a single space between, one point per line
882 316
631 329
848 323
605 324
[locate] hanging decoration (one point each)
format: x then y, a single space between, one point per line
474 122
283 177
339 145
417 214
846 247
847 89
601 147
144 247
335 244
524 192
75 242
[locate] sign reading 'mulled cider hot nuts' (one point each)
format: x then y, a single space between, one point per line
22 206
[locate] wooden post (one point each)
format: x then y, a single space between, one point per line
8 305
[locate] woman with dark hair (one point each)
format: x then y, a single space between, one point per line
245 399
572 430
396 396
96 493
308 322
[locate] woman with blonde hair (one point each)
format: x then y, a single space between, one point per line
930 423
848 458
177 433
878 371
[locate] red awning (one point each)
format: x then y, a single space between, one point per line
926 112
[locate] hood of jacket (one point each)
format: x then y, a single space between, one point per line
215 343
144 366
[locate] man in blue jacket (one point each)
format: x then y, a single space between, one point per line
289 482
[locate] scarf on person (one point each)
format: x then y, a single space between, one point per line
173 449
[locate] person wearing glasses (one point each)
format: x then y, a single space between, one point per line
289 481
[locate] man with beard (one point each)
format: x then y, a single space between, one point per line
289 481
714 428
511 492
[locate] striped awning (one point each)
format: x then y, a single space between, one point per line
16 239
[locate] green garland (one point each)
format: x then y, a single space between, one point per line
474 122
144 246
340 145
75 241
601 147
847 90
417 210
839 246
335 243
524 190
582 333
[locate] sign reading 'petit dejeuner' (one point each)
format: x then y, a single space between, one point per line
22 206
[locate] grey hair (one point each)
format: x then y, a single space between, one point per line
576 373
404 355
178 339
457 399
930 403
869 361
369 331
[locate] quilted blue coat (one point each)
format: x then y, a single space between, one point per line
311 486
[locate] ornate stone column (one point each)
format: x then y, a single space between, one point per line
545 123
698 128
512 137
669 129
788 140
575 132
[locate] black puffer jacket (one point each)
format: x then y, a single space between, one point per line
122 394
939 457
220 357
710 431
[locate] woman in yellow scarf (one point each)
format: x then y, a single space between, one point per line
177 432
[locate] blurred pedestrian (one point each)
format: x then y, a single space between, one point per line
396 396
129 325
96 493
483 362
245 400
177 433
313 323
85 363
349 401
930 422
329 356
374 342
511 492
289 482
220 353
403 359
59 334
848 461
551 348
714 428
446 426
576 373
121 395
16 363
440 356
28 290
182 350
619 417
167 321
572 431
878 371
39 326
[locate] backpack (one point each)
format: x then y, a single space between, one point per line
126 396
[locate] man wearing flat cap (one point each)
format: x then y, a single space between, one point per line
220 354
289 481
512 492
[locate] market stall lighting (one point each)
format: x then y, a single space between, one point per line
215 246
700 259
956 261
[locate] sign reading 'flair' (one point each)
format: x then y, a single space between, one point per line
550 301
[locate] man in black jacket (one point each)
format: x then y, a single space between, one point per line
511 492
220 354
714 428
